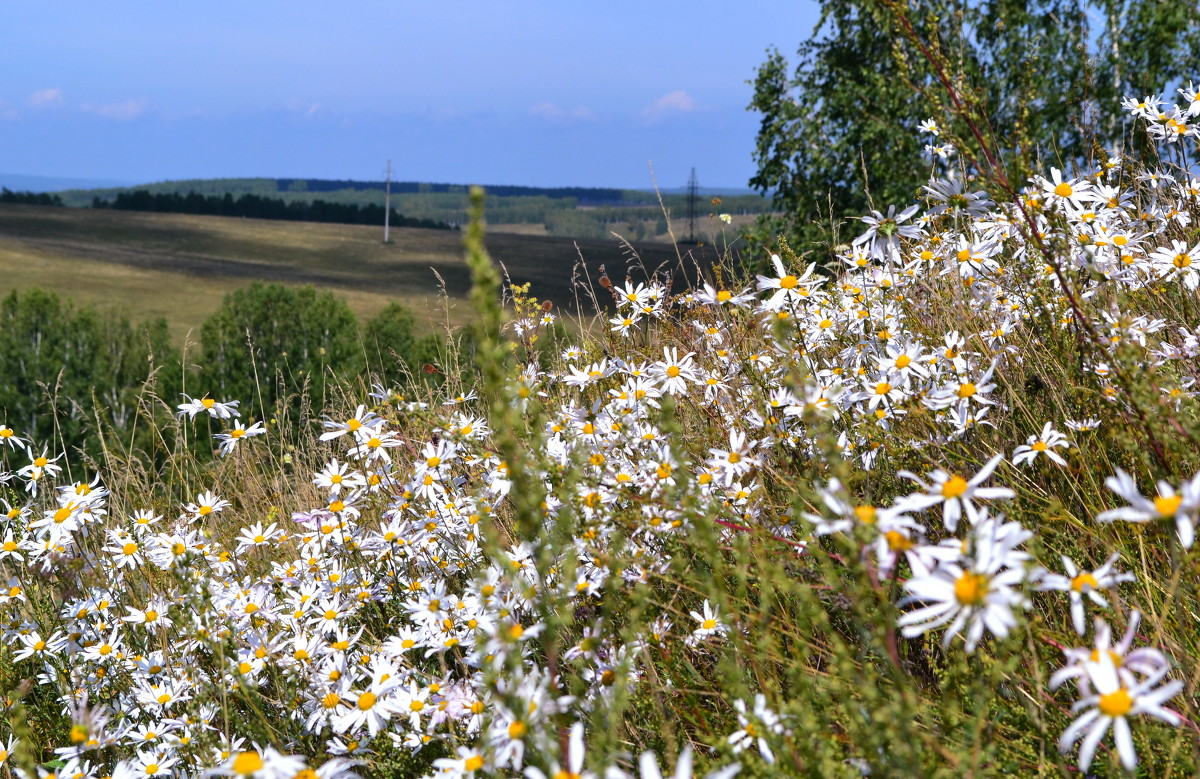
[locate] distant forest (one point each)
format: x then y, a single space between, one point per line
586 196
29 198
574 212
258 207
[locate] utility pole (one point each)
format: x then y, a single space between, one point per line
693 190
387 207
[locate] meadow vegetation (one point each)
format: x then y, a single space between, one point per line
179 267
927 511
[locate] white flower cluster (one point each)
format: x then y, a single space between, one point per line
383 613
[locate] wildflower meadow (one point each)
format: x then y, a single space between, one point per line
926 510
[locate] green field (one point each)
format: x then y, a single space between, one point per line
180 266
572 212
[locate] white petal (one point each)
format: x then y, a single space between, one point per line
648 766
1124 741
1075 730
1087 750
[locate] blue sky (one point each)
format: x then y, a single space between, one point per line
536 93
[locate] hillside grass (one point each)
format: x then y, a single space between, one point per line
570 212
180 266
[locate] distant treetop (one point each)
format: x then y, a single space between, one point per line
583 194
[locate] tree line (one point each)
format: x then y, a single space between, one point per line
29 198
587 195
259 207
73 370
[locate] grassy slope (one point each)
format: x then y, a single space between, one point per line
631 211
179 266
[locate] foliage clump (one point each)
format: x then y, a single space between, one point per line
838 124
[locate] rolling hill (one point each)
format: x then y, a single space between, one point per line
574 212
179 266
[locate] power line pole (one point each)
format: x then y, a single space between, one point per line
387 208
693 201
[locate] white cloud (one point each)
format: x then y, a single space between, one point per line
46 97
555 113
670 103
303 108
122 112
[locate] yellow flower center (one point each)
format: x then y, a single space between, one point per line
366 700
247 763
897 541
1064 190
970 588
903 361
331 700
1181 261
954 487
1083 580
1116 658
517 730
789 282
1167 506
865 514
708 624
1116 703
966 390
673 371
